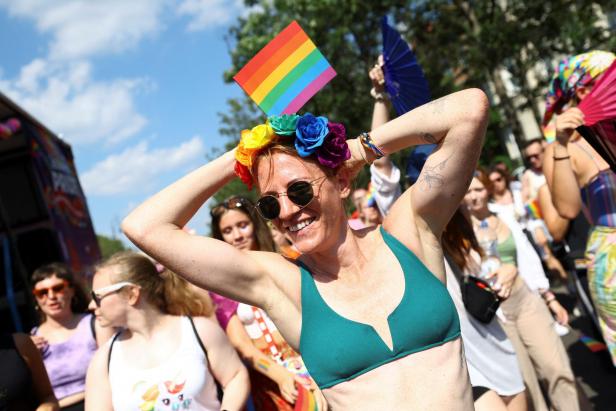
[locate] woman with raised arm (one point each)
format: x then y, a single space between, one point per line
367 310
580 179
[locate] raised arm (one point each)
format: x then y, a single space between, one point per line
557 226
558 166
156 227
457 123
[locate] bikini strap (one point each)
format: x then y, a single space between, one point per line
592 158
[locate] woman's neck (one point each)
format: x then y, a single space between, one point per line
344 258
480 215
146 321
504 197
65 321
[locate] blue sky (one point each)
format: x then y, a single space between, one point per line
134 86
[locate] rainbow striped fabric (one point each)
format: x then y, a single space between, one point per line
592 344
286 73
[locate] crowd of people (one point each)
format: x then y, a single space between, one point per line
432 296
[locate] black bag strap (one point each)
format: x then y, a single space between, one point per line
192 324
92 326
115 337
219 390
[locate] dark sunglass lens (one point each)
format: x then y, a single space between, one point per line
58 288
268 207
300 193
97 300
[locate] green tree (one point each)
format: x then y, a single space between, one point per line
109 246
459 43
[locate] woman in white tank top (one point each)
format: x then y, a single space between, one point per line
161 360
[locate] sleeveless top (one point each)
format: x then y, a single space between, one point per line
507 251
599 197
16 389
67 362
182 382
536 180
336 349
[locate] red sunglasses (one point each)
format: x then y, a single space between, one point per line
44 292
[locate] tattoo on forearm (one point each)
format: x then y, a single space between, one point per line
429 138
431 176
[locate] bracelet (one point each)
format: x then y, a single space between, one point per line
367 142
361 150
377 95
547 302
561 158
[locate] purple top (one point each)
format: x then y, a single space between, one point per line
67 362
225 308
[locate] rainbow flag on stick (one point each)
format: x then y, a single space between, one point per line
286 73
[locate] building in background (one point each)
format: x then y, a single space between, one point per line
43 212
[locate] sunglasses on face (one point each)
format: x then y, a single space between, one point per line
98 295
299 192
44 292
230 204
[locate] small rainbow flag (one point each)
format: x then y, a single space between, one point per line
305 400
286 73
592 344
533 210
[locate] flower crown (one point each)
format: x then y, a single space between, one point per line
311 135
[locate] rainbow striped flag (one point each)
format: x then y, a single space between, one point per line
533 210
286 73
592 344
305 400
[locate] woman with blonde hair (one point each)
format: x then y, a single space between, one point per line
163 358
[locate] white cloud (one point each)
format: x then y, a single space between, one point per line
135 168
206 14
82 28
65 98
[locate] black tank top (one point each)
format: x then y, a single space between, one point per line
16 390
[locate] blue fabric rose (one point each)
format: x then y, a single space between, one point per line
311 131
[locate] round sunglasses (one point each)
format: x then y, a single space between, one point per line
299 192
57 289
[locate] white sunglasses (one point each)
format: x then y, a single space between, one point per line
98 295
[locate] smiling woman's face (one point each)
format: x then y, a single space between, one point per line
309 228
237 230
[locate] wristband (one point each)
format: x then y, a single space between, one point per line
367 142
361 151
561 158
377 95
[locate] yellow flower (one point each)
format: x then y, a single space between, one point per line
243 155
258 137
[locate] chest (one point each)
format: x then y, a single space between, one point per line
371 296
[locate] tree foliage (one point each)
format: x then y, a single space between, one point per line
109 246
459 44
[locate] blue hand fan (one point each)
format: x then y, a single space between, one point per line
404 80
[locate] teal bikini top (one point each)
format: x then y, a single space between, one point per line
336 349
